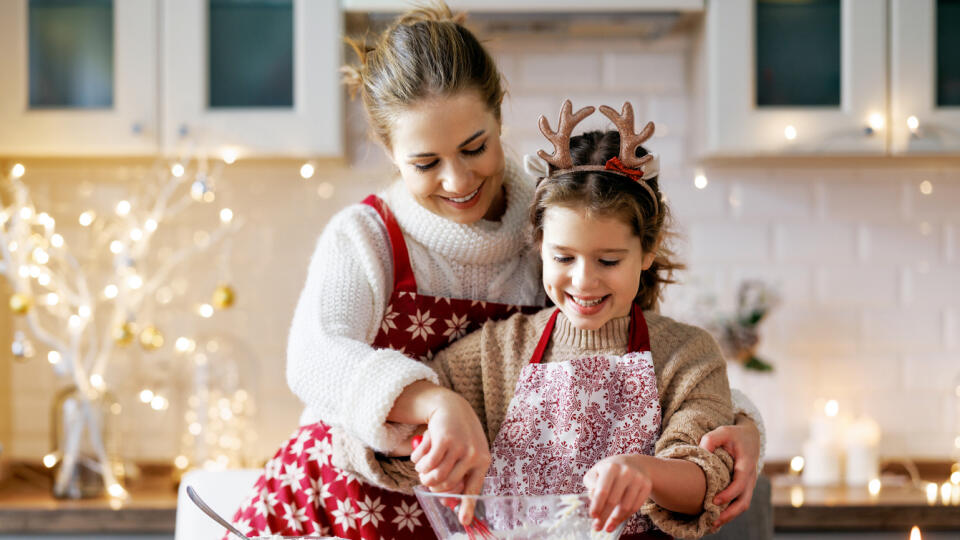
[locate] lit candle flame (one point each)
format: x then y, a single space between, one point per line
915 533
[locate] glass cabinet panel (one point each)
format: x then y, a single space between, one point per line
948 53
71 53
797 53
250 53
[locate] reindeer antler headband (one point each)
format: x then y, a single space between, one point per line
627 164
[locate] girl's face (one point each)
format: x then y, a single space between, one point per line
591 265
449 155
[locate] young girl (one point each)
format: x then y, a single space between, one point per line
599 392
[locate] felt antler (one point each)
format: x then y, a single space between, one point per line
560 158
629 141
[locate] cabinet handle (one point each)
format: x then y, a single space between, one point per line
183 130
136 128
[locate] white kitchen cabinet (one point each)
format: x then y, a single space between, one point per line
138 77
925 76
78 80
297 113
776 109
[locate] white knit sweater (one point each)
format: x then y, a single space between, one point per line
331 366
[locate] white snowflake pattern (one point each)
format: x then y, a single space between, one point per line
370 511
272 469
260 507
407 516
322 489
302 439
456 327
347 477
388 323
344 515
272 502
243 524
421 325
317 528
427 357
483 303
292 477
320 451
295 516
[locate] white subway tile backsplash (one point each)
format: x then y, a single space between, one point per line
935 372
871 200
773 198
872 286
648 73
816 331
902 330
669 113
934 286
569 71
811 243
907 243
943 201
729 242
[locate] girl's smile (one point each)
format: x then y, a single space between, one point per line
591 265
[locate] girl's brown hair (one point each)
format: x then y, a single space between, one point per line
425 53
606 194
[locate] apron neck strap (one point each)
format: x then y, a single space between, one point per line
639 335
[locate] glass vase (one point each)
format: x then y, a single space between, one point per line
83 430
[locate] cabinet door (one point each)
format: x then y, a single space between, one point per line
925 76
79 78
258 77
795 77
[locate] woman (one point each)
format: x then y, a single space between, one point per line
399 277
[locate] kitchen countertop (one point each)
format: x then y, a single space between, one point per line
26 506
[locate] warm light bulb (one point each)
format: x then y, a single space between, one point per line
26 213
832 408
52 299
181 462
44 279
926 187
50 460
158 403
194 428
146 395
184 344
84 311
177 170
915 533
87 218
955 477
18 170
134 281
700 181
306 171
790 133
136 234
116 246
40 256
123 208
876 121
96 381
913 123
53 357
205 311
150 225
796 464
229 155
75 322
110 291
874 487
116 490
226 215
56 240
932 493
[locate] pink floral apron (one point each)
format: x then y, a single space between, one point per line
301 492
567 416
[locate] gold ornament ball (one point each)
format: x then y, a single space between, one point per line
123 335
151 338
20 303
223 297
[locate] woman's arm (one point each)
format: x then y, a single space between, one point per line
331 365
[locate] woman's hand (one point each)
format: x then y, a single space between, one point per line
742 441
618 486
454 450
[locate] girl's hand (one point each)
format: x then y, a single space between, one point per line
618 486
454 450
742 441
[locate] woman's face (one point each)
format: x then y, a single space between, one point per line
591 265
449 155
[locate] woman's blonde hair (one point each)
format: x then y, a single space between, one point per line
425 53
606 194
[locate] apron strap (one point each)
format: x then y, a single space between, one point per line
544 338
403 279
639 334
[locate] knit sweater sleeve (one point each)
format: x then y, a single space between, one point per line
695 399
331 365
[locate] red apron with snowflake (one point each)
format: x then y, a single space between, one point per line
567 416
300 491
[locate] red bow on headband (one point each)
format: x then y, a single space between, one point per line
614 164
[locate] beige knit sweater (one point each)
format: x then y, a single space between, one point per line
484 367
